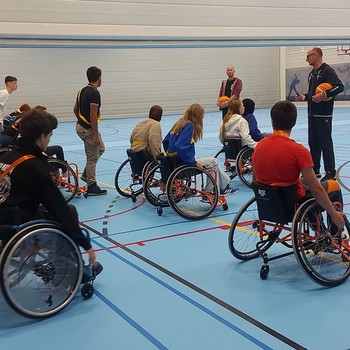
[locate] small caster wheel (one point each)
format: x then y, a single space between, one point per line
133 198
85 195
87 291
159 211
225 206
264 272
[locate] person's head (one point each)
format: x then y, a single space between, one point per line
93 74
194 114
283 116
249 106
230 71
36 127
314 57
11 83
156 113
24 108
40 108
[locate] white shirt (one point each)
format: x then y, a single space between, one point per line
4 96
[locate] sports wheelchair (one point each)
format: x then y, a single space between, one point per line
41 268
183 188
130 174
274 215
237 160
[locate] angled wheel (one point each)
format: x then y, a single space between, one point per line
67 184
125 182
155 189
188 195
229 165
40 270
245 166
318 247
246 231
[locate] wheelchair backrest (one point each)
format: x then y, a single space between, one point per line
138 160
166 165
275 203
232 146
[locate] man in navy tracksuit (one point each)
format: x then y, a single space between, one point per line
320 112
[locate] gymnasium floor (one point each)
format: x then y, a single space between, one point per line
169 283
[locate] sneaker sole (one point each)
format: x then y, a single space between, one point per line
96 194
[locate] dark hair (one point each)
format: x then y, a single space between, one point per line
93 73
9 79
34 123
283 115
249 106
25 107
156 113
40 108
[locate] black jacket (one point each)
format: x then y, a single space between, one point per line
31 185
324 74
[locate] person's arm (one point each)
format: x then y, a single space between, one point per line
236 90
76 109
254 131
244 133
183 145
93 122
319 193
155 139
220 93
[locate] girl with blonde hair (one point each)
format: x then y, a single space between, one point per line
180 140
235 125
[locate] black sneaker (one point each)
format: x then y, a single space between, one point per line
317 173
329 176
94 190
97 268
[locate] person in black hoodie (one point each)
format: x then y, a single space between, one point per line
29 185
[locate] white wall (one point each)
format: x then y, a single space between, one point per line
134 79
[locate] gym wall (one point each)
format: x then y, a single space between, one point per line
171 52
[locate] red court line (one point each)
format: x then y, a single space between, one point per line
142 243
122 212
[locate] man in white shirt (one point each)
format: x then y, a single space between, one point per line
10 86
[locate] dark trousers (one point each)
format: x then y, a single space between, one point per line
320 142
224 111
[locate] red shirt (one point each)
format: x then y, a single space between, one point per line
279 160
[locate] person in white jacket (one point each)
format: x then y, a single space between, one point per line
235 125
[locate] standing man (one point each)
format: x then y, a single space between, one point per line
87 111
10 86
231 88
320 112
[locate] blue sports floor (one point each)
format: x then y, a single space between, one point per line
169 283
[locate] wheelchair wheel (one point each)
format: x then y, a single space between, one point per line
228 165
125 182
244 166
318 250
155 189
68 186
187 194
245 232
40 270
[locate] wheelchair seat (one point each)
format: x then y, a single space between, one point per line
232 146
138 160
166 166
275 203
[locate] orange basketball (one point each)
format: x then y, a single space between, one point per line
324 87
223 99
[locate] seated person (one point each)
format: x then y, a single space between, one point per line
31 188
147 134
12 117
278 161
234 125
179 142
10 133
248 114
